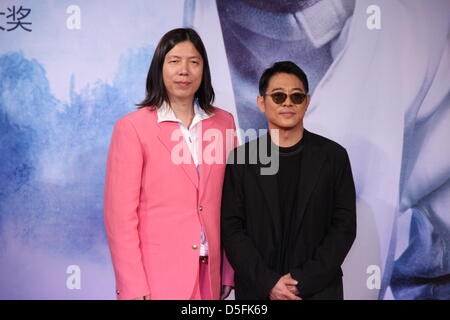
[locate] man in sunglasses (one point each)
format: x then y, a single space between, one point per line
287 234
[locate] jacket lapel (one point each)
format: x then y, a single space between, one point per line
311 165
164 135
269 187
205 167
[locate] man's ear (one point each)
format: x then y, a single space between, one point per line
261 105
308 100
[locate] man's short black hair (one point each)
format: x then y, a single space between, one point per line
282 67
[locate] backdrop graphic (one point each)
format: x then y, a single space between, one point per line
380 85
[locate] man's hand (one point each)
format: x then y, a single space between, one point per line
226 290
292 288
285 289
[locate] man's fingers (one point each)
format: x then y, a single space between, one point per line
290 282
226 290
288 294
291 296
293 289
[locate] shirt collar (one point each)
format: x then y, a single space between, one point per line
165 113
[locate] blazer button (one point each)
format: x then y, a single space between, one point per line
200 208
117 292
194 247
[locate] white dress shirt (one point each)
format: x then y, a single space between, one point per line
191 136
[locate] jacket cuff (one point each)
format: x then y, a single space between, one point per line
124 292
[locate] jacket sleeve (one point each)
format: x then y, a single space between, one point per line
121 201
243 255
315 274
231 143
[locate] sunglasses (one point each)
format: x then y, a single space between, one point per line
280 97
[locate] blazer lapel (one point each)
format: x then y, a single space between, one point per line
312 162
205 167
164 135
269 187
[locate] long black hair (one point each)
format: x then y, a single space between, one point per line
156 92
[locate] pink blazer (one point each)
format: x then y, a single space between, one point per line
154 208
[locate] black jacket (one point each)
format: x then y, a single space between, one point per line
324 227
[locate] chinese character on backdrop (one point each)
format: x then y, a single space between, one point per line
1 28
16 18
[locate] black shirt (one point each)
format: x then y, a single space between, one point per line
288 178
